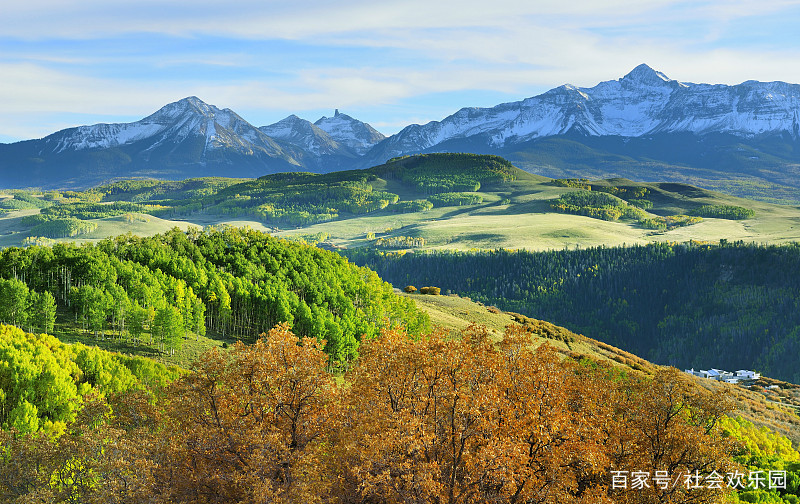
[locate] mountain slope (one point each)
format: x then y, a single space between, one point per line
743 139
183 139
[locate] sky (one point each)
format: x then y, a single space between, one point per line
389 63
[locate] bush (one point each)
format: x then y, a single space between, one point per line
411 206
410 289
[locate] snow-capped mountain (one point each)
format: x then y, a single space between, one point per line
304 134
187 138
189 119
352 133
643 126
328 144
644 102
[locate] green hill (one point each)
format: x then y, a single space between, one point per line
434 201
154 293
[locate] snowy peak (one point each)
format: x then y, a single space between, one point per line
291 127
189 119
301 133
644 75
191 107
352 133
643 102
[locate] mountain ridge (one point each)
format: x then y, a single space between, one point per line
642 102
189 138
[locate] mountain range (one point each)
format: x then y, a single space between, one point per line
644 126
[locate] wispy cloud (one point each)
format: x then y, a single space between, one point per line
96 59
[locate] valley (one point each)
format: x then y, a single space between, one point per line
196 309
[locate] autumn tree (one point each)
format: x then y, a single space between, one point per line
461 420
666 425
92 461
250 425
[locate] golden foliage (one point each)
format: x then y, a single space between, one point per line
428 420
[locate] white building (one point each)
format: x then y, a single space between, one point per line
726 376
745 374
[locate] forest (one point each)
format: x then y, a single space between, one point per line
233 282
728 306
471 419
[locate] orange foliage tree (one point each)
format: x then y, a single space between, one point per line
461 420
249 426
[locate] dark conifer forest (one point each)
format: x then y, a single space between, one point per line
731 306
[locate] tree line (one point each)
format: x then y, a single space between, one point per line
731 306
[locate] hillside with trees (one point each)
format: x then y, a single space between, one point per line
301 199
731 306
237 283
432 419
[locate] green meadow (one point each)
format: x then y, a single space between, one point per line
489 204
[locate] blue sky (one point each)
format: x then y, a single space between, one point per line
389 63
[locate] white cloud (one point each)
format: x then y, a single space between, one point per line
398 50
321 18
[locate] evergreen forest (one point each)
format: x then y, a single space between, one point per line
729 306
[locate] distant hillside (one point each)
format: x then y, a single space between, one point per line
412 202
298 198
732 306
